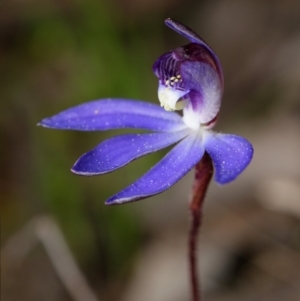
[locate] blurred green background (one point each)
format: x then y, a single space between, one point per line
57 54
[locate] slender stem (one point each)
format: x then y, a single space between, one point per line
203 174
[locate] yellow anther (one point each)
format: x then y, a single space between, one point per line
178 76
172 78
176 80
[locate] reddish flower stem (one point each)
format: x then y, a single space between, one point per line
203 174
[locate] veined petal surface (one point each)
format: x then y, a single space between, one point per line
231 154
118 151
206 90
195 38
178 162
109 114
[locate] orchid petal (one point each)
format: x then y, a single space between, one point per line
109 114
120 150
195 38
206 90
178 162
231 154
170 98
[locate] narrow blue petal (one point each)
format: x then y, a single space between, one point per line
231 154
178 162
119 151
195 38
109 114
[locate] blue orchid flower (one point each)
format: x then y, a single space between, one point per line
191 80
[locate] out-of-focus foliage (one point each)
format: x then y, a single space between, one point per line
55 55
